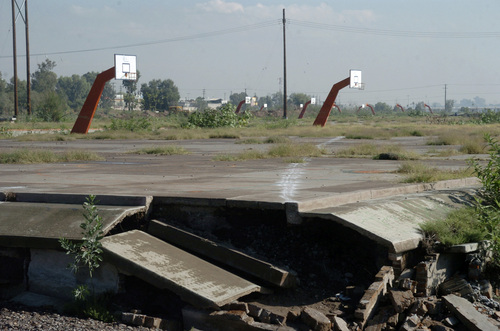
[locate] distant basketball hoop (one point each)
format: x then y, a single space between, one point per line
125 67
355 79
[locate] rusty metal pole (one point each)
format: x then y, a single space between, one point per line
325 110
86 115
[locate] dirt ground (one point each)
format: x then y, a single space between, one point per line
333 264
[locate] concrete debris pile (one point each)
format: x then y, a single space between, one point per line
388 304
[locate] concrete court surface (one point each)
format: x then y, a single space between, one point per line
316 184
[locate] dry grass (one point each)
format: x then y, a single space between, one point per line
32 156
396 152
293 152
417 172
161 150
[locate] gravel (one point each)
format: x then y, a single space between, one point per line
17 317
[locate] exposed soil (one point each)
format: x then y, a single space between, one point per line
331 262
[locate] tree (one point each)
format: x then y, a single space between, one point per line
108 94
299 98
382 107
200 103
277 99
449 106
44 79
74 89
420 107
4 99
267 100
236 98
131 90
159 94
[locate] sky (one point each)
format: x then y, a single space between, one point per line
408 51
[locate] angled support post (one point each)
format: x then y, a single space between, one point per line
304 109
325 110
86 115
239 106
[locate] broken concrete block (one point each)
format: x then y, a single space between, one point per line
236 305
411 323
339 324
467 314
408 284
265 316
401 300
138 319
385 275
316 320
456 285
254 311
431 273
278 319
451 321
433 305
152 322
127 318
293 314
419 308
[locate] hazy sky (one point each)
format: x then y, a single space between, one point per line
407 50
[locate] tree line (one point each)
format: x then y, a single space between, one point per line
53 98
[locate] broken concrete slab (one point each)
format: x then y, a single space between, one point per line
467 314
394 222
41 225
167 267
226 256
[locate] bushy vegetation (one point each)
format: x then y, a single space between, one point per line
482 221
88 255
223 116
135 124
489 117
488 201
459 227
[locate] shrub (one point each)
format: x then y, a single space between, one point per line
136 124
88 254
488 201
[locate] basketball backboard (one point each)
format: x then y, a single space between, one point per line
125 67
356 81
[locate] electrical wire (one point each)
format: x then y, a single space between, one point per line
164 41
395 33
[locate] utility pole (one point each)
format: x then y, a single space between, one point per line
284 66
14 51
15 58
28 73
444 97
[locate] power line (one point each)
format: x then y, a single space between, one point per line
394 33
169 40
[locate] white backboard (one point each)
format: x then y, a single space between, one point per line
355 76
125 67
313 101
